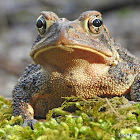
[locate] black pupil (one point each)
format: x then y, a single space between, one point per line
97 22
39 23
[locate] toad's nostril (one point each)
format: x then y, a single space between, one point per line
70 26
63 19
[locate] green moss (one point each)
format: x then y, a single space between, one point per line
97 118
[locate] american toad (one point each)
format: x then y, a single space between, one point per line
74 58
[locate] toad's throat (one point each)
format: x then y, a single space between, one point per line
66 54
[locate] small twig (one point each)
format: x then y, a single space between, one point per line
92 118
117 114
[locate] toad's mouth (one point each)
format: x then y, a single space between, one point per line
65 54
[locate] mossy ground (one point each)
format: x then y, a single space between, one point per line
77 119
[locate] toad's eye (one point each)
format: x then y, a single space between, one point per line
97 22
41 25
95 25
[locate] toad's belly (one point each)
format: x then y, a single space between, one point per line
64 86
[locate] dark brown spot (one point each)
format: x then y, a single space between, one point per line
69 86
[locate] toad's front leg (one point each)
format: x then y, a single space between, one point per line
135 89
29 84
22 107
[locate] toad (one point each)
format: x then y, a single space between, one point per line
77 58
